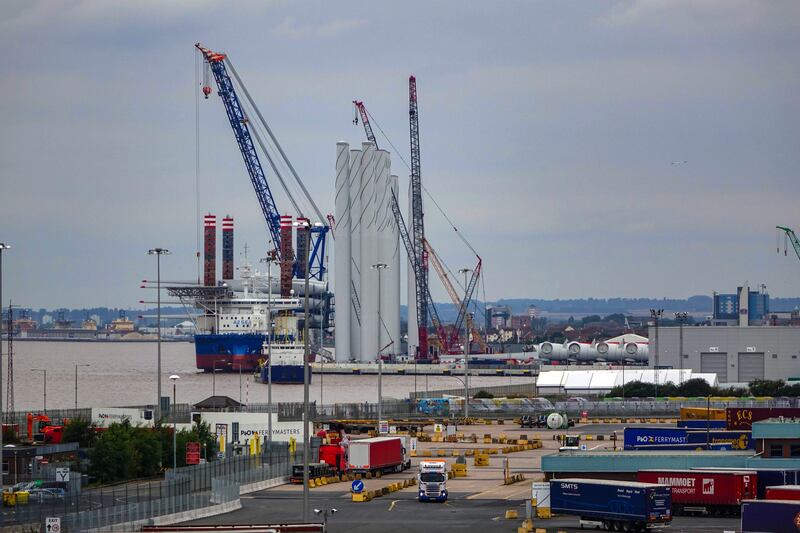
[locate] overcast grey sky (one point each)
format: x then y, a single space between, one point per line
547 129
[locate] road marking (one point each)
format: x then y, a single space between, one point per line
479 494
391 506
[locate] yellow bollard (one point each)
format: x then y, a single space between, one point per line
511 514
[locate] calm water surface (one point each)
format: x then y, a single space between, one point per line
125 374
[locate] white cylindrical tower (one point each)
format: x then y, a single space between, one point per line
355 253
341 282
382 194
413 331
393 260
369 256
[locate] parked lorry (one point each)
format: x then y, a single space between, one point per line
620 505
705 492
432 480
769 516
766 477
377 455
785 492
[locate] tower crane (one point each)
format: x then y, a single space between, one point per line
244 132
789 235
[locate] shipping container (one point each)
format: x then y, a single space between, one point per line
743 417
702 424
378 454
701 413
709 492
660 438
770 516
785 492
616 504
766 477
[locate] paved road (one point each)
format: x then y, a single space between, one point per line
400 512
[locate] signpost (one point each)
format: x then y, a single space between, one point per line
52 524
383 427
357 486
192 453
62 474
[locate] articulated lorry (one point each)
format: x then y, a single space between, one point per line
432 480
378 455
620 505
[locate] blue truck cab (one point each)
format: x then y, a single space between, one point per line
620 505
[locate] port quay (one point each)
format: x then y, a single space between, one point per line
389 267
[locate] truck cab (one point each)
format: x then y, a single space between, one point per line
432 481
570 442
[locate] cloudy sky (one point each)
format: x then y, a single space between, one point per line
548 133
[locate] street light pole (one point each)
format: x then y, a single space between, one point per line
379 267
158 252
76 385
465 271
306 369
3 246
44 371
656 315
174 378
681 318
269 259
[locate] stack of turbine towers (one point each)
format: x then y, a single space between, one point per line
367 238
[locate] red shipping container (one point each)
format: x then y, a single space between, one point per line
704 490
784 492
743 417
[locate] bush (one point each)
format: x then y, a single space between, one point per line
81 431
483 394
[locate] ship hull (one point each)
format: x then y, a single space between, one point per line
284 374
232 351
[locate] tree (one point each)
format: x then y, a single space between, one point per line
81 431
113 456
591 318
695 387
763 387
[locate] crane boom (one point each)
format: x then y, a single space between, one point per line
418 228
790 235
238 121
365 121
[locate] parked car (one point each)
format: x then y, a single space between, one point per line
43 495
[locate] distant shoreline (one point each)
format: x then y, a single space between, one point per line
126 341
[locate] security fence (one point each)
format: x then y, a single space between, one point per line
126 504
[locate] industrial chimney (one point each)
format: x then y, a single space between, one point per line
227 247
210 249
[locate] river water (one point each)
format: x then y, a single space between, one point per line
121 373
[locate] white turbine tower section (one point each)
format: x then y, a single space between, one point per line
356 172
369 256
413 331
382 195
393 316
342 251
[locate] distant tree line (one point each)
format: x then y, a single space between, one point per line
700 388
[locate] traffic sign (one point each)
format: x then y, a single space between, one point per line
52 524
62 474
383 427
357 486
192 453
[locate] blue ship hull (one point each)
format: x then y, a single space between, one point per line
284 374
231 351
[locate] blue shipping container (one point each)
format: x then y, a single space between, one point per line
644 438
597 499
769 516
